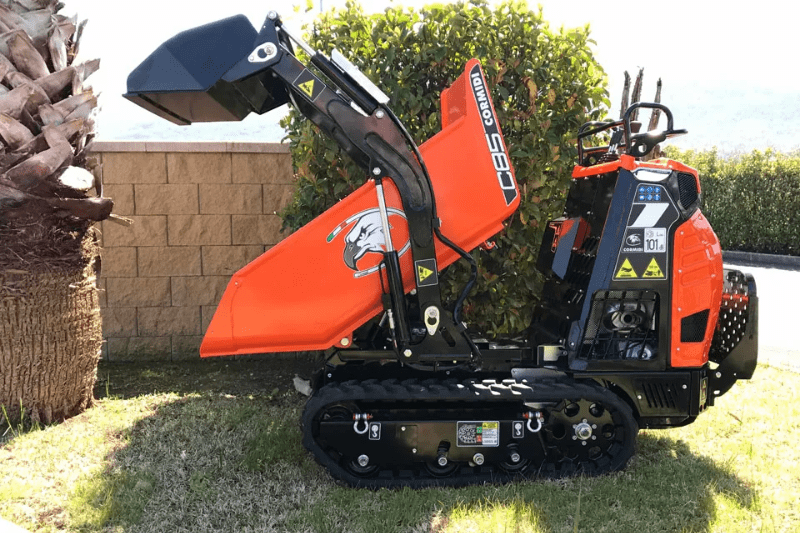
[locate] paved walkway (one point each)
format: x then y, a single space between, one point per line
778 315
8 527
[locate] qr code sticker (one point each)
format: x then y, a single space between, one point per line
467 434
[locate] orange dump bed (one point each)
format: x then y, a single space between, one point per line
319 284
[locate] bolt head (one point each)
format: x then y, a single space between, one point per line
407 352
345 342
478 459
442 461
379 113
376 171
363 460
515 458
272 15
583 431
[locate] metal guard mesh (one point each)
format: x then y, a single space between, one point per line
604 341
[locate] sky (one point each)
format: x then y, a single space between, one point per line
726 66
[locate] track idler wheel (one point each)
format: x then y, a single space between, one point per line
361 466
442 466
515 463
591 435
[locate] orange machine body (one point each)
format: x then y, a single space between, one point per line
697 273
696 287
301 295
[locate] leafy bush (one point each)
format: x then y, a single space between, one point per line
752 200
542 82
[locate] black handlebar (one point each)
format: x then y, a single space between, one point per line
637 145
649 105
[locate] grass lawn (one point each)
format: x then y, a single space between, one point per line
203 461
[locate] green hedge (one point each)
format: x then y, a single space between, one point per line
542 82
752 200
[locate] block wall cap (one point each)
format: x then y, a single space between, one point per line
239 147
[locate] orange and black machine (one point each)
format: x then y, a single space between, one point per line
638 324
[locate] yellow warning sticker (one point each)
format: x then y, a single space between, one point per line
626 271
423 273
307 87
653 270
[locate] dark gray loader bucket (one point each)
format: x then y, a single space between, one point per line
184 81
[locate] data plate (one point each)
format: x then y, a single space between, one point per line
478 434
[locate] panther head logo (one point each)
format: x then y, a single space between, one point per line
366 237
634 239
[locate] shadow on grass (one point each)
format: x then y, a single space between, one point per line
227 375
200 463
210 462
667 488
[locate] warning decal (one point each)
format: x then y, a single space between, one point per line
423 273
426 272
653 270
309 85
469 434
644 251
626 271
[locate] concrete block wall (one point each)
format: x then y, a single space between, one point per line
200 212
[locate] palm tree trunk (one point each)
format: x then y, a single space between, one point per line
50 196
50 341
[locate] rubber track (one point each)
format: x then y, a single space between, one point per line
479 392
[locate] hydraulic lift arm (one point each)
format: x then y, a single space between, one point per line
353 112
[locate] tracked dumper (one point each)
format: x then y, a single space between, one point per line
638 325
